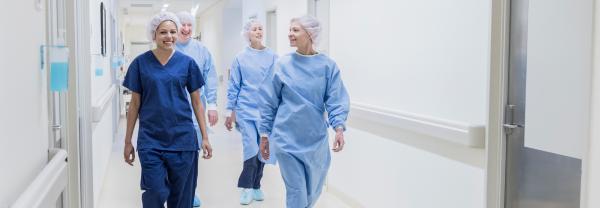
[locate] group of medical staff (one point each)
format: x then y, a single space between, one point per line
282 106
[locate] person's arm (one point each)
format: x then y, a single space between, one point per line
199 112
269 96
133 82
132 116
211 89
337 104
233 92
195 81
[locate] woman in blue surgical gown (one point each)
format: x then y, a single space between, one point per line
248 70
160 80
303 86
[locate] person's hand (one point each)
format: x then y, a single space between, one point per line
206 149
129 153
339 142
212 117
264 148
229 121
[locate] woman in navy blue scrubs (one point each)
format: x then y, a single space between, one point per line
167 142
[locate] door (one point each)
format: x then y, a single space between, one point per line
546 114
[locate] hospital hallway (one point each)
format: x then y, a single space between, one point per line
440 104
217 178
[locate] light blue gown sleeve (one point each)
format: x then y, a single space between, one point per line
337 100
233 88
270 96
210 89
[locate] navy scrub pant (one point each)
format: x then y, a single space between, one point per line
251 174
169 176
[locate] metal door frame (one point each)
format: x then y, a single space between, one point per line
514 117
495 143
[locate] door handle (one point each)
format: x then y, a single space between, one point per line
512 126
508 128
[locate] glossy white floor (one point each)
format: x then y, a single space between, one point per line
217 178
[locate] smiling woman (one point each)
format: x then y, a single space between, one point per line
300 87
165 37
167 141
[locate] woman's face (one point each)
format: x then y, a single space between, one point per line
186 31
166 35
298 36
256 33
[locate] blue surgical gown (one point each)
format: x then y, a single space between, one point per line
248 70
295 98
165 114
203 58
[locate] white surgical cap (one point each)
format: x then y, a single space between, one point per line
159 18
311 25
186 17
246 29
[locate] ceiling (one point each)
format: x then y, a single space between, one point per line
138 12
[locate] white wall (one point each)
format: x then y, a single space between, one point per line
24 120
378 171
423 57
102 132
428 58
592 181
99 83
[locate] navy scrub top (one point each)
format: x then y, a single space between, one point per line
165 114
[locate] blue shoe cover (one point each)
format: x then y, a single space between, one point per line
246 196
197 202
258 195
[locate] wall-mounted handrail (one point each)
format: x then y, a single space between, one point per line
457 132
100 106
48 185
